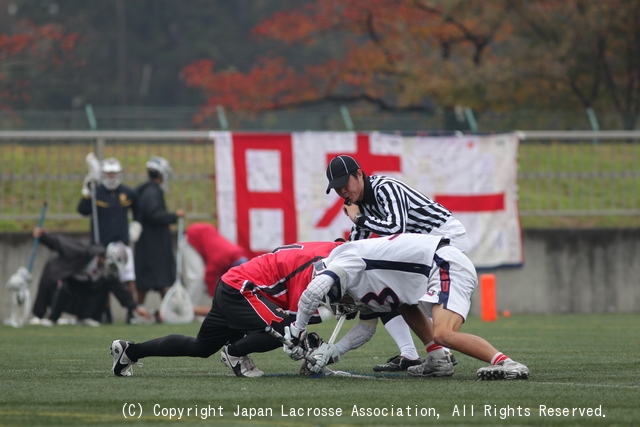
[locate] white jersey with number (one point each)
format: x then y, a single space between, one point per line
385 272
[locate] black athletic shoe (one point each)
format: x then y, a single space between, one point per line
396 364
122 365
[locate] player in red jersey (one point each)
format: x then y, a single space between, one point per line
206 256
263 291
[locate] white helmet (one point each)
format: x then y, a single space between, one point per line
115 258
161 165
111 165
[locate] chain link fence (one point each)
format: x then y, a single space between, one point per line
41 168
565 179
322 117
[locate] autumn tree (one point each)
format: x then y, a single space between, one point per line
410 55
585 51
398 55
27 58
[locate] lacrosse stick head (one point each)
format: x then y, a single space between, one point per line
20 308
309 343
176 306
94 166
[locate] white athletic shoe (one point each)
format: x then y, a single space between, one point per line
432 367
122 365
67 321
242 366
506 370
89 322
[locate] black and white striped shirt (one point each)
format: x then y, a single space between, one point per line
390 206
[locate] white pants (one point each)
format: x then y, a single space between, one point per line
452 281
453 230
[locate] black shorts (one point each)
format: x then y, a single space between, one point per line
233 313
384 316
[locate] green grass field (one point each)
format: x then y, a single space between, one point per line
61 376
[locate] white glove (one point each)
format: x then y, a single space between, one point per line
296 352
324 355
86 190
295 333
135 229
20 280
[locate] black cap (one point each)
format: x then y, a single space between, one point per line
338 171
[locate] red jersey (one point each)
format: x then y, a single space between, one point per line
218 253
281 275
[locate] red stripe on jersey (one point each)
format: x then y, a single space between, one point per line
281 275
261 309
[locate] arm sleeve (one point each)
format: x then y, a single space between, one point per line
84 206
154 210
70 247
135 206
357 336
392 201
311 297
359 233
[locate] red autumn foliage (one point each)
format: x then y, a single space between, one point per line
27 55
401 55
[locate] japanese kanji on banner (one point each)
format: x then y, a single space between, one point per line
271 186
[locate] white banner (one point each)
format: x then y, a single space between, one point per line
271 187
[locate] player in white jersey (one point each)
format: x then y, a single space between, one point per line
384 206
416 274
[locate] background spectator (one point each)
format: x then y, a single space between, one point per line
155 264
113 202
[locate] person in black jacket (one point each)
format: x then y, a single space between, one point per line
114 201
77 279
155 262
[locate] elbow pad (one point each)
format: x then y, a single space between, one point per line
311 297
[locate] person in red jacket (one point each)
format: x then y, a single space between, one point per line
263 291
206 256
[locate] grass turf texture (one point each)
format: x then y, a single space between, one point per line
61 376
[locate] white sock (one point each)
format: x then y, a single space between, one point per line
401 334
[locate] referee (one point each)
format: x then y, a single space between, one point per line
383 206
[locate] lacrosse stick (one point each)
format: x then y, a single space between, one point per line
336 330
326 371
94 172
176 306
277 335
19 283
304 370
